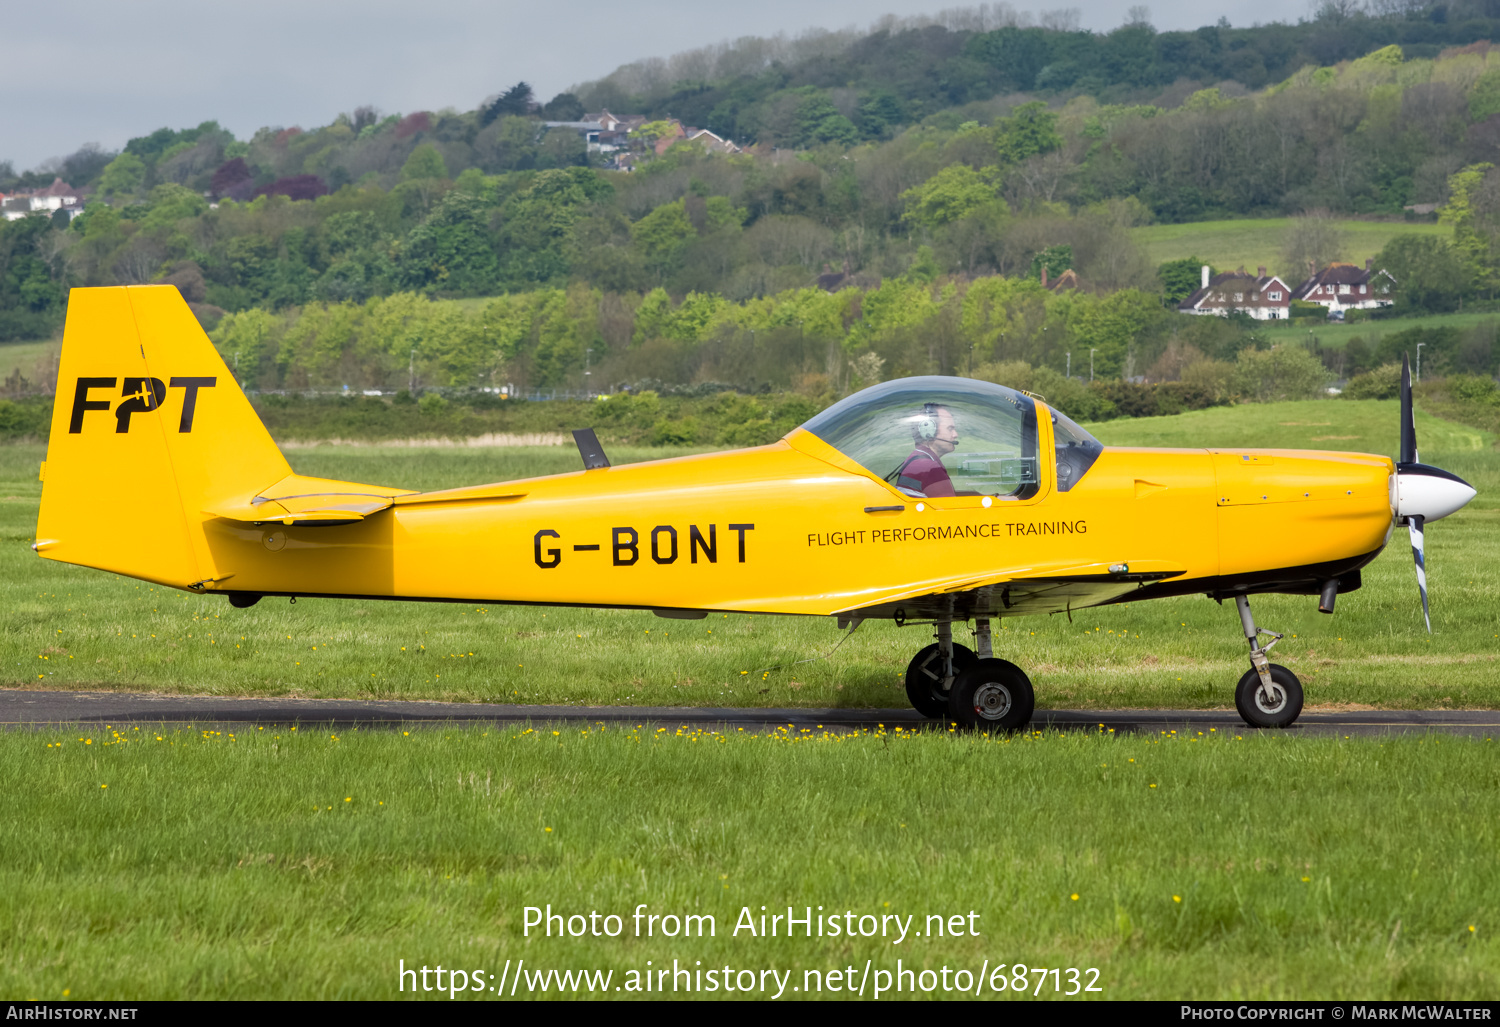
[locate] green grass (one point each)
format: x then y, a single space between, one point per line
137 864
24 356
1336 336
1231 244
1359 425
74 628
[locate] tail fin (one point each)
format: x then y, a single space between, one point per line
148 429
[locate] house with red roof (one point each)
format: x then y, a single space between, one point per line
1348 287
1262 296
57 196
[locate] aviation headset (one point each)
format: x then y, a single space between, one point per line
925 423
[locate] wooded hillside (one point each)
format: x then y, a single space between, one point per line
957 159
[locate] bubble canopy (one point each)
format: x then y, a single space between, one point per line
937 436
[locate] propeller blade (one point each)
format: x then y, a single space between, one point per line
1414 524
1408 422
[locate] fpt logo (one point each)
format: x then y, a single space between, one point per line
137 396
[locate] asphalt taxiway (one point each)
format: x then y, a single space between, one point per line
22 709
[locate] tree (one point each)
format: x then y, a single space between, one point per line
518 100
229 175
295 187
452 251
537 223
563 107
1281 372
86 164
954 192
1484 98
1313 241
1429 274
1471 243
1181 278
661 234
1018 55
123 175
819 121
424 163
1030 129
1056 259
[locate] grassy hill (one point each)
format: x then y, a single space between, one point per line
1228 244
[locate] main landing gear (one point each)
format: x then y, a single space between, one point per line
974 688
1268 695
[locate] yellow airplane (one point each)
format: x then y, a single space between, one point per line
925 500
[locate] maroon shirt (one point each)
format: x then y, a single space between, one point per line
928 472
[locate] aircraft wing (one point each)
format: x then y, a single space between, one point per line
1045 588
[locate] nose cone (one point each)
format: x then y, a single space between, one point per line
1430 493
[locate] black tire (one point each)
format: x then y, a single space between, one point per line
924 682
243 600
1255 708
992 695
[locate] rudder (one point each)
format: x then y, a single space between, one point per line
149 427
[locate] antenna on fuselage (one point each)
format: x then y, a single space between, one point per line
589 449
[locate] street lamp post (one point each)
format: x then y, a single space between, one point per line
1092 351
411 373
1069 372
1419 360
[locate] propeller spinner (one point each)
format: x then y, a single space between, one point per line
1422 493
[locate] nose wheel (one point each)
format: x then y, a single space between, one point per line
1268 695
1274 706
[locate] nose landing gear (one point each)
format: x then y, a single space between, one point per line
1268 695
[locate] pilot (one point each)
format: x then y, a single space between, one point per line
935 435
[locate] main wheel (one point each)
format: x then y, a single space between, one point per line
1278 709
924 679
992 695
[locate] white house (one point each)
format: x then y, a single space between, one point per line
57 196
1347 287
1262 296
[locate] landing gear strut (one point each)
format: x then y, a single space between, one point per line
930 675
975 689
1268 695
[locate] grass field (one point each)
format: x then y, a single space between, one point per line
24 356
142 864
1335 336
1249 243
76 628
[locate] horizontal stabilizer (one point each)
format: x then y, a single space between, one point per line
308 503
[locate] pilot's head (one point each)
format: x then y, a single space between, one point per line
934 430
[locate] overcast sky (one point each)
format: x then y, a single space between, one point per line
79 71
